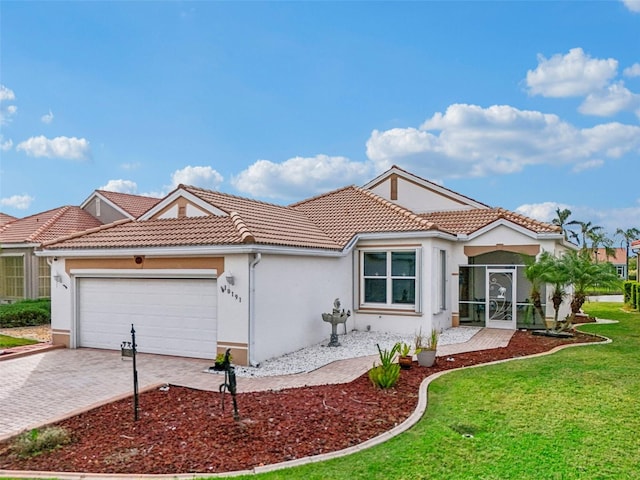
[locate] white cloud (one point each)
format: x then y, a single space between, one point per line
47 117
545 211
121 186
609 101
20 202
468 140
5 146
60 147
299 177
204 177
130 166
570 75
633 5
6 94
610 219
632 71
589 164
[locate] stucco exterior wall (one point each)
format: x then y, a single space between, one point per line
291 293
429 277
417 198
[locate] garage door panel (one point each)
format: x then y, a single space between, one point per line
171 316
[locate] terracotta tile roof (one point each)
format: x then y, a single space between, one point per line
351 210
267 223
135 205
469 221
619 257
328 221
154 233
4 219
635 243
46 226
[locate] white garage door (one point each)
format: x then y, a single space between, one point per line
170 316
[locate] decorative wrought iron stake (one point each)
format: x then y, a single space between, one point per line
128 349
229 383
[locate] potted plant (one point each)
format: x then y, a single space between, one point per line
426 348
405 359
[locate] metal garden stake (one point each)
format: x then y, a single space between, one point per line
129 350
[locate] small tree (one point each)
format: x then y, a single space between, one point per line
584 274
533 272
557 275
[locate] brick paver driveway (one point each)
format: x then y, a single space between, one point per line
41 388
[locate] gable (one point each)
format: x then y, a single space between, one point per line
417 194
182 204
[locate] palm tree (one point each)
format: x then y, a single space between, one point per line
628 236
561 221
600 238
587 229
584 274
534 271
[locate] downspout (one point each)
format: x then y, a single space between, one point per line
252 303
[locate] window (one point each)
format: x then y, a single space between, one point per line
44 278
443 280
389 278
12 277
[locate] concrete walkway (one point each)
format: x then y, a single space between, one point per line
42 388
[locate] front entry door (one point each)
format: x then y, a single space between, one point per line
501 302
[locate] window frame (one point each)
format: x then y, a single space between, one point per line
13 286
389 278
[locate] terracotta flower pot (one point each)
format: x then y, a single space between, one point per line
405 362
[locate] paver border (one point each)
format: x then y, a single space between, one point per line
395 431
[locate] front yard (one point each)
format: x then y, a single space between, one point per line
8 342
571 415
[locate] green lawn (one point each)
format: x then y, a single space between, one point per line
571 415
7 342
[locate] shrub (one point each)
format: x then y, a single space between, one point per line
627 291
25 313
387 373
37 441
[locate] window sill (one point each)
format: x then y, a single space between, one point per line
388 311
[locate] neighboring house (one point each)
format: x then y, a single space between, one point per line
112 206
22 275
635 247
4 219
203 271
618 259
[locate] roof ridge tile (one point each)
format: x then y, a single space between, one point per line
48 223
86 232
243 230
397 208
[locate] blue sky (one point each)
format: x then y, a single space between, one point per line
524 105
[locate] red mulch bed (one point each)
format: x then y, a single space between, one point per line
184 430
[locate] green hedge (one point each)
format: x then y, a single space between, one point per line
632 294
25 313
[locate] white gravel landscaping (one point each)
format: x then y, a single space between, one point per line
353 344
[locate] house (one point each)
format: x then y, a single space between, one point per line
202 271
22 274
617 257
635 247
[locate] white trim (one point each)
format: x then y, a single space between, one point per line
513 226
389 305
220 250
115 206
427 185
180 193
146 273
